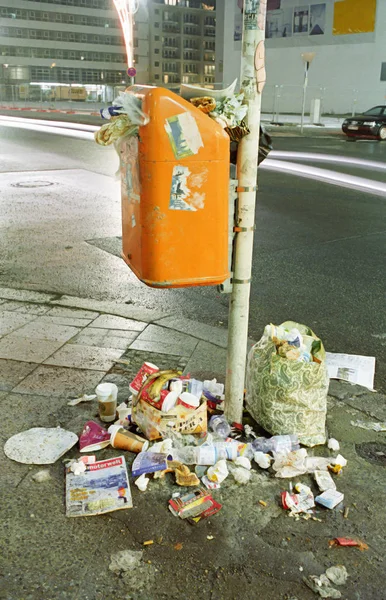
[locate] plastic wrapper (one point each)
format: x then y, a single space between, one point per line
288 396
93 437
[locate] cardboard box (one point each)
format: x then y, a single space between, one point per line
153 422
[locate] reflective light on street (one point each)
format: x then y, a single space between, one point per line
63 129
333 158
325 175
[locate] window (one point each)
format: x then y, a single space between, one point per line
59 35
156 76
156 25
32 34
58 17
156 51
156 64
156 38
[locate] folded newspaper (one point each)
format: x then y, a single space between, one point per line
102 488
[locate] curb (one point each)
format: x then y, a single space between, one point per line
52 110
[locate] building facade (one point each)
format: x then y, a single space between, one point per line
182 42
348 37
80 43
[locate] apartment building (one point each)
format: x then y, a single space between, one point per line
80 43
67 42
182 42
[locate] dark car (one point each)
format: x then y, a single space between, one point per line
372 124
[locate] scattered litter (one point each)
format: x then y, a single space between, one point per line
244 462
354 369
370 425
148 462
210 485
263 460
333 445
148 543
330 498
142 482
219 472
337 575
249 431
194 506
322 586
241 475
103 487
107 401
185 477
337 464
263 503
210 537
93 437
178 546
290 464
125 560
324 481
39 445
276 443
126 440
77 467
42 476
83 398
220 425
340 541
346 511
302 502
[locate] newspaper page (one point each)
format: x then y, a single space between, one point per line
102 488
351 368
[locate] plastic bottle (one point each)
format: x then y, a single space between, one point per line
201 455
220 425
277 443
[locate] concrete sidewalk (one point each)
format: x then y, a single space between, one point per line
55 347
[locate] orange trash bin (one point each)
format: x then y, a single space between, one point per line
175 179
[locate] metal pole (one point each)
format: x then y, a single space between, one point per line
252 84
306 65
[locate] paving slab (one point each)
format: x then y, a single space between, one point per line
207 333
84 357
106 338
25 295
112 308
25 307
12 372
78 313
70 321
42 328
9 321
15 347
165 341
114 322
59 382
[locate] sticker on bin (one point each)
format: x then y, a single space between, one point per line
184 135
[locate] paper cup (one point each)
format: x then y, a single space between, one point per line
107 401
169 402
125 440
146 369
188 401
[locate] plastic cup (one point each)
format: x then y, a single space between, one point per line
107 401
125 440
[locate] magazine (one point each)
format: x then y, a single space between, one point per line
102 488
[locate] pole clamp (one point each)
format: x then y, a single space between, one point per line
252 188
241 281
242 229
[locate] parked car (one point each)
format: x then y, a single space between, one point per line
371 124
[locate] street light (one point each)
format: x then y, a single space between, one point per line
307 57
126 10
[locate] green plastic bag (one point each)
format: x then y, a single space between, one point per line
285 396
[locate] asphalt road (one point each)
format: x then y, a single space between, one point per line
319 249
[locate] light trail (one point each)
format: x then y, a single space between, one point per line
333 158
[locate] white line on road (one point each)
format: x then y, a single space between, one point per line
315 173
333 158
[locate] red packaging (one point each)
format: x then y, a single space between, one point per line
93 437
140 378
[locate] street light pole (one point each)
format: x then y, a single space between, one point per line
307 57
252 84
